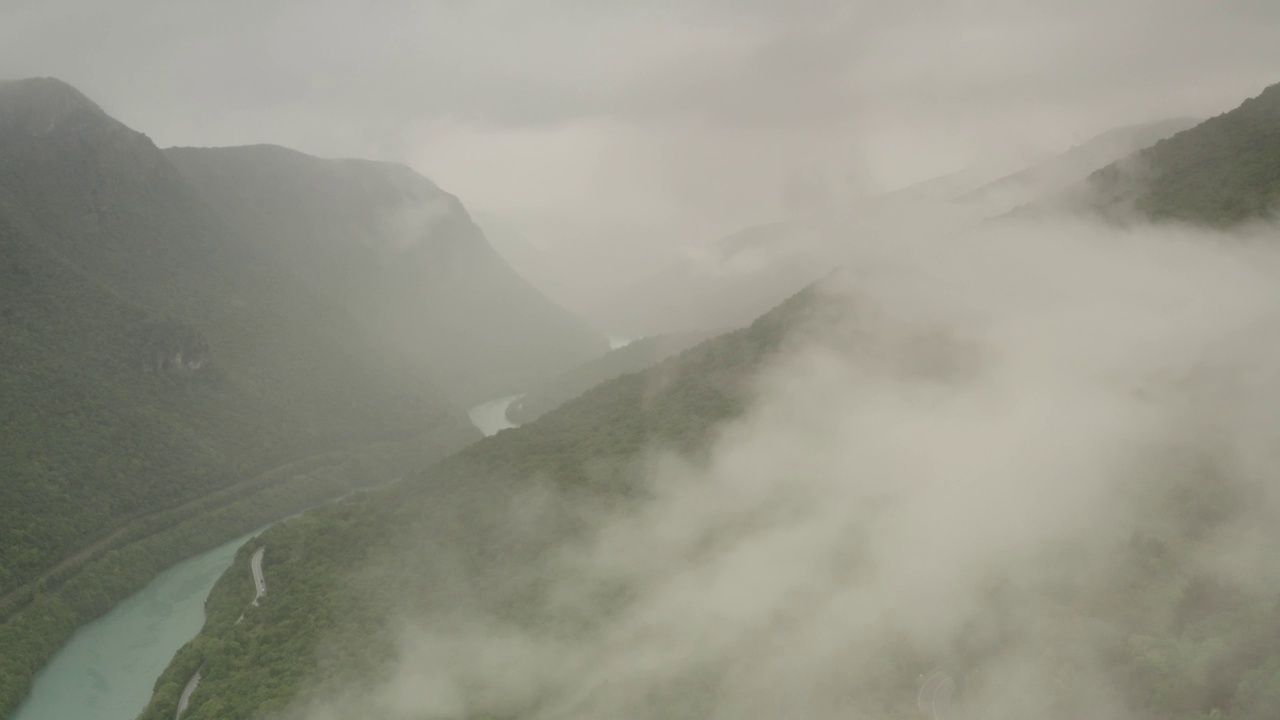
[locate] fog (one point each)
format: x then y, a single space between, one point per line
947 468
956 467
650 123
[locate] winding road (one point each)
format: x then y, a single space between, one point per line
934 697
260 589
185 700
259 582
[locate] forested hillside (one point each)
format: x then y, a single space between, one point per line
1222 172
150 355
404 256
1061 172
454 515
469 551
632 357
728 282
152 362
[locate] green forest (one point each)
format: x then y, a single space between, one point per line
154 372
198 344
38 620
1176 641
102 421
1221 172
264 662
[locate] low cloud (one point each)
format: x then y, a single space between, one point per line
702 109
948 468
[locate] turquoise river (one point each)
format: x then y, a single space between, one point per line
107 670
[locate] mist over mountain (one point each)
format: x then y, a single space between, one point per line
1223 172
456 516
633 357
811 514
403 256
786 518
99 225
728 282
544 269
945 381
1073 166
155 366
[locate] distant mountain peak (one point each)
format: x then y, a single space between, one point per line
1221 172
1056 175
42 106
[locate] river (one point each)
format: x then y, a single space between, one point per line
108 669
491 417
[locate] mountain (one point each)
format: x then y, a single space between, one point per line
455 515
630 358
724 284
1073 166
1221 172
543 269
155 370
465 573
727 282
469 574
403 255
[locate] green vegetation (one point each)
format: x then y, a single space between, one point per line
53 608
581 450
155 366
1064 171
1172 639
1222 172
174 324
630 358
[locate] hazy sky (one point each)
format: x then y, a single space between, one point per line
680 116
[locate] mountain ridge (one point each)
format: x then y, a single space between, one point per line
404 254
152 360
1223 172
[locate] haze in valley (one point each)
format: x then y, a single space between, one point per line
621 137
717 359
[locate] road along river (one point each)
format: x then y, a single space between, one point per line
107 670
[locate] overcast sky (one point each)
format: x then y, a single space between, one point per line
677 117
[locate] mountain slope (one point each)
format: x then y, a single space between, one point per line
1166 627
545 270
630 358
1223 171
469 574
1073 166
732 280
404 255
455 515
152 367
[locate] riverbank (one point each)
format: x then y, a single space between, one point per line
32 635
108 669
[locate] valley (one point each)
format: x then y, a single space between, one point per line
108 667
449 362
